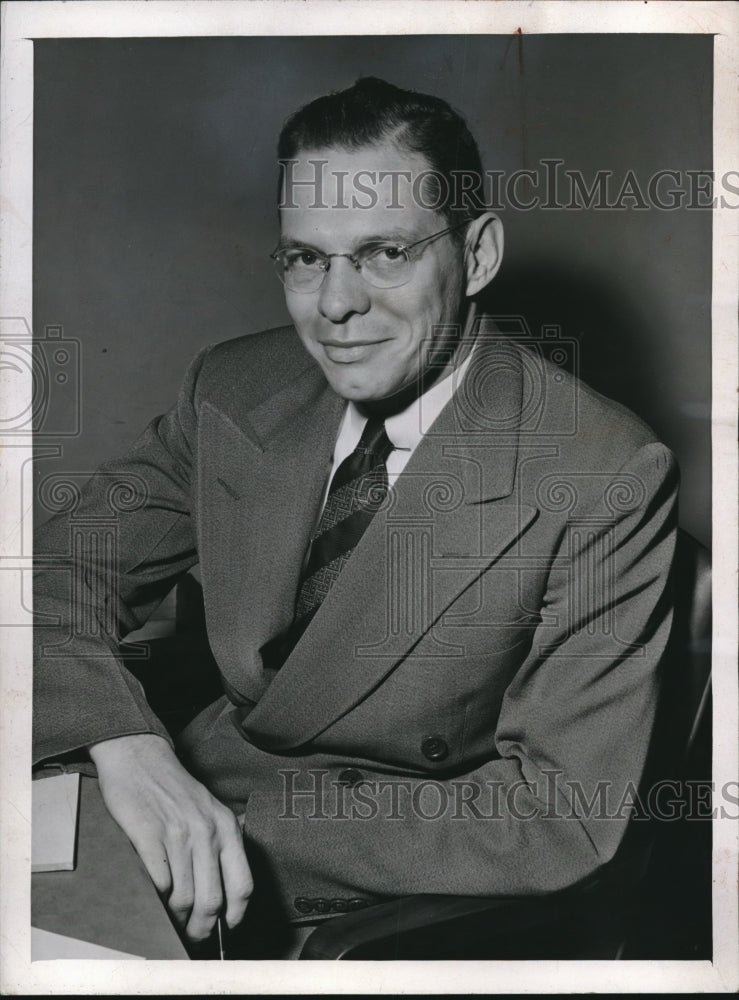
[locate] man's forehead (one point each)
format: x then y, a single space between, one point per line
375 190
377 156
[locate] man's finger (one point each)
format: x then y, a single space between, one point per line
237 879
180 901
154 856
208 892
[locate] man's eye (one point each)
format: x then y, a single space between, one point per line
387 255
301 258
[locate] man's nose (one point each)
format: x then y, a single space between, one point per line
343 292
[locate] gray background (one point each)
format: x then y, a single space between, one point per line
154 193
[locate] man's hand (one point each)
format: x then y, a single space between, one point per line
190 843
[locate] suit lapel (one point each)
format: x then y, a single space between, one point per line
448 517
270 474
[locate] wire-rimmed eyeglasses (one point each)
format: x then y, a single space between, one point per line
383 264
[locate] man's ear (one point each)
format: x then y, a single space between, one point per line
483 252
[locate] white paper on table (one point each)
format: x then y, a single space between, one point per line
55 806
46 945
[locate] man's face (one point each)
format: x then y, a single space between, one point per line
368 340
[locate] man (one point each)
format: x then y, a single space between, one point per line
434 567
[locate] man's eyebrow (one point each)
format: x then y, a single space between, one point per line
395 236
402 236
290 244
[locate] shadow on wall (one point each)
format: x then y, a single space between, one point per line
613 340
616 354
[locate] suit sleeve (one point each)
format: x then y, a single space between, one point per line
103 567
572 740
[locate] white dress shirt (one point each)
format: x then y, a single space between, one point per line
405 429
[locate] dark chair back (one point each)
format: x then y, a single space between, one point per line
671 916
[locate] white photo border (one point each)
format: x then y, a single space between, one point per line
23 22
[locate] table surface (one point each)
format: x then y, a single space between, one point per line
108 899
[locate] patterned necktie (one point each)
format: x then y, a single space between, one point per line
357 490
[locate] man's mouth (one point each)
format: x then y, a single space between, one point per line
345 352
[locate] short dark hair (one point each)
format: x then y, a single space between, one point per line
373 110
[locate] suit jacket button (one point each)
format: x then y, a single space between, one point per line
434 748
350 776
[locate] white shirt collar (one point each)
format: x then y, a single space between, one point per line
407 428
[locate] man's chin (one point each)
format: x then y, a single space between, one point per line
354 393
350 386
381 400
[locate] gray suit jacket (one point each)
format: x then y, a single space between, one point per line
472 705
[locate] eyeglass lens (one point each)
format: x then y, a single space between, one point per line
384 267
